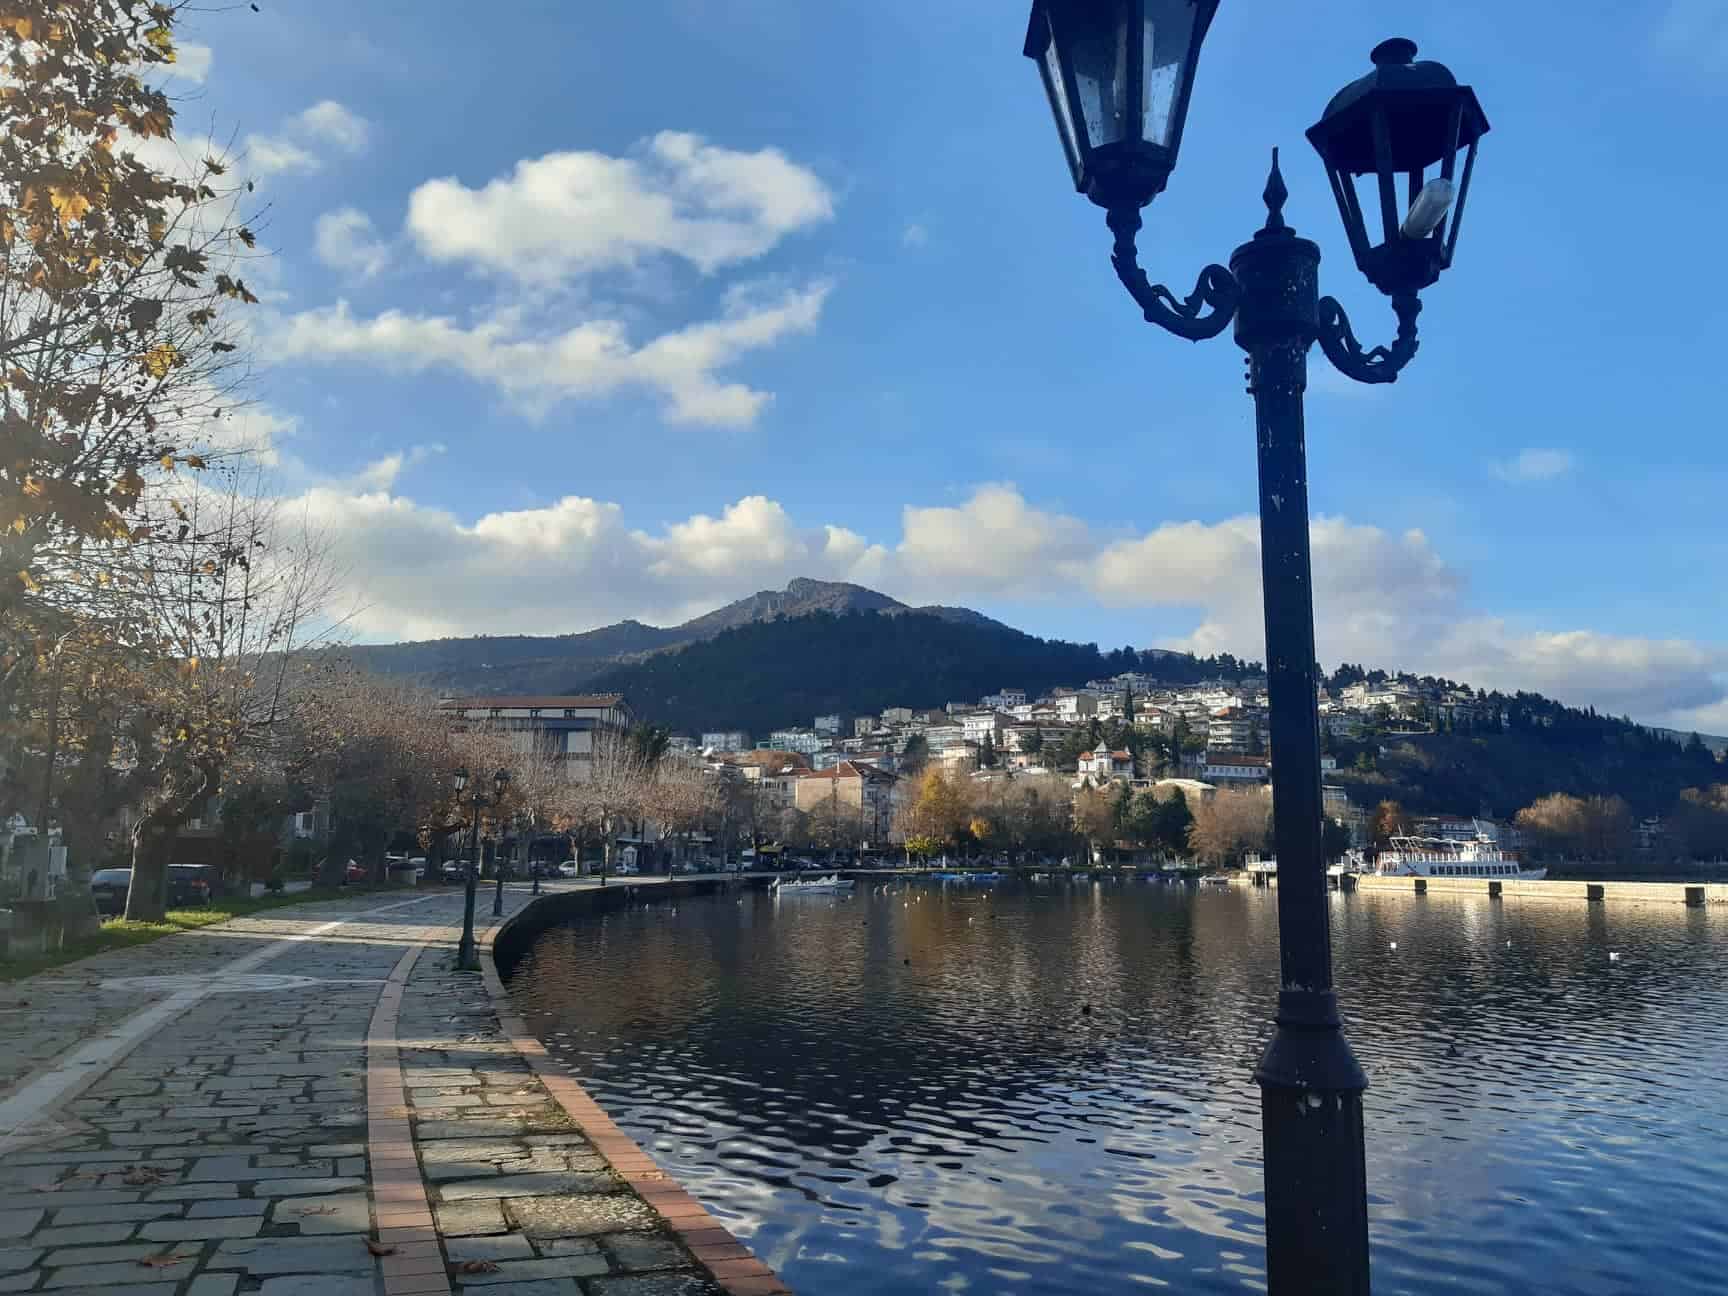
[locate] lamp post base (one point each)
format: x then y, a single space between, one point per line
467 957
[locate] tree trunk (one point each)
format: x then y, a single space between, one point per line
152 841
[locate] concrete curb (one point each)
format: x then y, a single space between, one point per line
733 1266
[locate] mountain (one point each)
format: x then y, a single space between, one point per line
562 663
767 674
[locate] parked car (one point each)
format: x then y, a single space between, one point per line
419 863
192 884
108 888
454 870
355 872
568 869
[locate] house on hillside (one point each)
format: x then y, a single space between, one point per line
1103 763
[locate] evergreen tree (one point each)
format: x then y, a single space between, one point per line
987 752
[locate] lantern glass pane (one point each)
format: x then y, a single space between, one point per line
1169 30
1097 40
1052 70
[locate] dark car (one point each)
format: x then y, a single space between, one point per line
191 885
108 888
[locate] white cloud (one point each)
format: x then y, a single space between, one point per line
332 123
1533 466
345 240
571 213
1381 599
291 148
588 360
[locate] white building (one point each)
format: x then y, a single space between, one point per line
1234 769
827 725
807 741
726 740
1074 706
566 727
1101 762
1006 700
981 724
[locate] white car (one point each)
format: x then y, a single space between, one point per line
567 869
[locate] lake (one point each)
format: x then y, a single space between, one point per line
903 1091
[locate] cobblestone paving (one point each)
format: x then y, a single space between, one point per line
46 1015
231 1151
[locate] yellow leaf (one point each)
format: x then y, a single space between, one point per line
160 359
167 462
20 27
69 204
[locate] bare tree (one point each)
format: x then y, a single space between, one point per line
1229 825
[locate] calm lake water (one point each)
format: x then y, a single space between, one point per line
899 1092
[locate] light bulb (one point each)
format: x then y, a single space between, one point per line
1429 209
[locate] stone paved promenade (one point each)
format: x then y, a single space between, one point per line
313 1102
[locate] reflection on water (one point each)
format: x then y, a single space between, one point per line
1047 1090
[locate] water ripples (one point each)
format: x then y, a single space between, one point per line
1048 1090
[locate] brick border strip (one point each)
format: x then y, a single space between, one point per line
400 1210
733 1265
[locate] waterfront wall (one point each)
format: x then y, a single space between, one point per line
1695 894
553 908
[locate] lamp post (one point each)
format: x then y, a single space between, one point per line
1118 74
501 780
467 959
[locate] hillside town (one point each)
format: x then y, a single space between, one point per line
855 782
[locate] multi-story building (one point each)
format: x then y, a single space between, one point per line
827 725
565 727
981 724
1074 706
1006 700
806 741
897 716
858 793
864 726
726 740
939 738
1231 729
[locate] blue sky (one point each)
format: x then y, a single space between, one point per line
585 312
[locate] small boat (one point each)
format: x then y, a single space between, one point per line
833 884
1215 879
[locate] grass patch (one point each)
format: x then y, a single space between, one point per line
117 933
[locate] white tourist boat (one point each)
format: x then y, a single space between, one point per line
1444 857
833 884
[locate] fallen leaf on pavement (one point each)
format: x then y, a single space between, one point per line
378 1248
161 1261
477 1266
140 1175
316 1210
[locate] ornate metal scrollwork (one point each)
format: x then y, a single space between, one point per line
1216 288
1382 364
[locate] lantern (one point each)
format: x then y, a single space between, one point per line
1394 124
1118 74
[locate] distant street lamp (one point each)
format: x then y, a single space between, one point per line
1118 74
502 779
467 959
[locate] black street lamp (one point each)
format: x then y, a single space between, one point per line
467 959
500 781
1119 74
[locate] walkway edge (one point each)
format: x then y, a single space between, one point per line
731 1263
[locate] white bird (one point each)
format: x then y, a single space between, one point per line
1613 956
1393 945
1508 944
